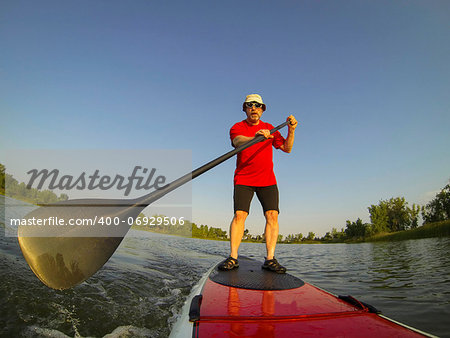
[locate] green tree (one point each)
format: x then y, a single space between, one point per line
2 178
337 235
439 208
63 197
355 229
217 233
327 237
379 217
414 215
393 215
399 215
311 236
195 230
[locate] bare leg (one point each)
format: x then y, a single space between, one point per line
237 231
271 232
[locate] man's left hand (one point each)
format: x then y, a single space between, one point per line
292 122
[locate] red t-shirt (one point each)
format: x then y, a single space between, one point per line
254 165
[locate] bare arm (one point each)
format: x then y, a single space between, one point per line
289 143
240 139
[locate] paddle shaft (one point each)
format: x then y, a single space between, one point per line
204 168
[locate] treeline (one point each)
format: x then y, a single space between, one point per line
203 231
394 215
176 226
163 225
387 217
10 187
289 239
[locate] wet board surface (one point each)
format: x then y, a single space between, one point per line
252 302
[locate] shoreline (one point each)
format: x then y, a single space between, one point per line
431 230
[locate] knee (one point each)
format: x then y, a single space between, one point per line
271 216
240 215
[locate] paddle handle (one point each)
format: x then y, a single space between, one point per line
204 168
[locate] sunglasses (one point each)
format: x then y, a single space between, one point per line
251 104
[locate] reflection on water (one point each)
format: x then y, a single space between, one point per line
143 286
392 266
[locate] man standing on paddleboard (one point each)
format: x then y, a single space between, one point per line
254 173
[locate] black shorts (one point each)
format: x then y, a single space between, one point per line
268 197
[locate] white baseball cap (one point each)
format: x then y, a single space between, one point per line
254 98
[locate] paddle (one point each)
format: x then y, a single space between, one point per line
64 256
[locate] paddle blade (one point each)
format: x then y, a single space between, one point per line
63 262
63 255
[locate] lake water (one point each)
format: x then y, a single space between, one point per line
141 289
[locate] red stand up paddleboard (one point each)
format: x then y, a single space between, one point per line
252 302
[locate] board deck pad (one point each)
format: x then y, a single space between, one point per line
251 276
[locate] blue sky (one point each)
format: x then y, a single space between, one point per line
369 82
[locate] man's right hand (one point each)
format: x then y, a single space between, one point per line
264 132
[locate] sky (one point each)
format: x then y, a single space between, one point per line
368 81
